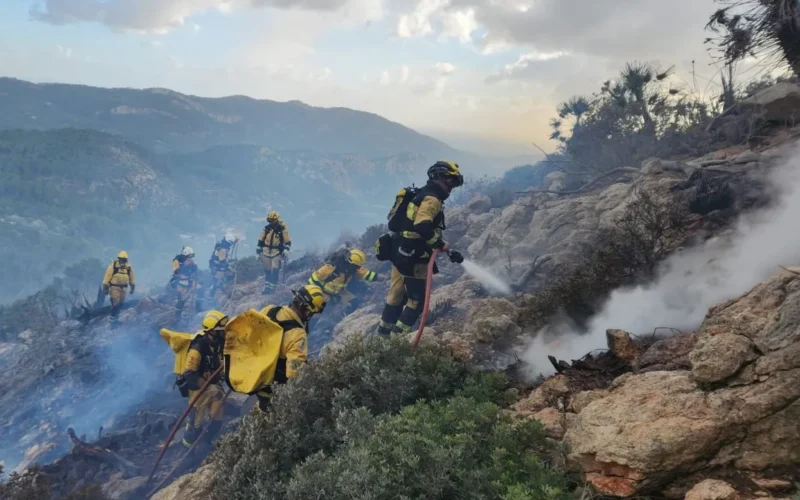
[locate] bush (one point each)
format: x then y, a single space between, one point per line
248 269
452 449
377 374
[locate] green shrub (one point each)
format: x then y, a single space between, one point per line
377 374
452 449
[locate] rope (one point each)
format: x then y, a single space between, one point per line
191 448
426 308
180 421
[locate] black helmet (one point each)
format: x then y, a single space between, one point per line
447 170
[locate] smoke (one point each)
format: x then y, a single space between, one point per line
690 282
486 278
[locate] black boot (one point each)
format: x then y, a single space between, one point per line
389 318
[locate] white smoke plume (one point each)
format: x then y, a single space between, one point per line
690 282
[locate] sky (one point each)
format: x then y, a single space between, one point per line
482 75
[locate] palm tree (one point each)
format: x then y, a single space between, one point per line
758 27
636 86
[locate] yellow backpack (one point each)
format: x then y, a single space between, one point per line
252 347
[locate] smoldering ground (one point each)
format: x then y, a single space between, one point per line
691 281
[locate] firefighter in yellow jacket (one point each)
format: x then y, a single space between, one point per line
118 277
293 320
339 270
273 246
184 279
420 234
204 358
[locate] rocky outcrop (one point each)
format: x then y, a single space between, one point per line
192 486
778 103
734 411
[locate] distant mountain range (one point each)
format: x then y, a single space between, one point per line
86 171
164 121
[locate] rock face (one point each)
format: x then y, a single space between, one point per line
712 489
736 410
778 103
192 486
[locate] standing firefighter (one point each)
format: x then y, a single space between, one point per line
271 345
119 275
219 264
338 271
273 247
417 222
184 279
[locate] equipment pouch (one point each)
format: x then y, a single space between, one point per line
383 247
183 385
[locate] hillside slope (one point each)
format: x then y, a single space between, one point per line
164 120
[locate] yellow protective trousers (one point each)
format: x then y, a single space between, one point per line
210 403
117 296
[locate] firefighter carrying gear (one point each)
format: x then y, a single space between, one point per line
204 357
118 276
420 232
270 345
337 273
273 243
219 264
184 279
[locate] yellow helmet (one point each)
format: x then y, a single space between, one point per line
357 257
311 297
214 319
273 216
447 170
122 254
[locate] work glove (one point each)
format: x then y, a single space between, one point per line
192 380
456 257
105 289
259 251
133 289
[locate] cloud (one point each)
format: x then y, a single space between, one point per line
621 29
445 68
64 52
404 74
527 66
385 78
160 16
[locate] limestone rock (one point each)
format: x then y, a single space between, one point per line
553 422
479 204
778 103
717 357
189 487
491 318
668 354
712 489
544 395
622 345
583 399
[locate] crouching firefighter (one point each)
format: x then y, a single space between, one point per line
119 275
271 345
184 279
273 249
338 271
416 222
197 357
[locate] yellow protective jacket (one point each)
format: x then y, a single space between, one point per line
219 259
119 275
274 239
425 217
333 282
184 273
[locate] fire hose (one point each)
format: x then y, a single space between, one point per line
180 421
189 451
426 307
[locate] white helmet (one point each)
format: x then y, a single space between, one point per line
229 237
187 252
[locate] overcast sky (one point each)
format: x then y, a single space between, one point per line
481 74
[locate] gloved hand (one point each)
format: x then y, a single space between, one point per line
133 289
259 251
456 257
192 380
105 289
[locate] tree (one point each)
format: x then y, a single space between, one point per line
769 28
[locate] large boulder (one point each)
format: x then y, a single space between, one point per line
736 410
779 103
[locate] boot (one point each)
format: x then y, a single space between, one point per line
190 435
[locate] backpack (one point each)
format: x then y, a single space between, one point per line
397 215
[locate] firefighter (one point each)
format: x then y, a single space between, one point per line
293 320
273 247
219 264
119 275
184 279
203 359
420 232
337 273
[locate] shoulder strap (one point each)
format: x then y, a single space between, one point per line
288 324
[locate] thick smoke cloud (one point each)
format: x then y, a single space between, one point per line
692 281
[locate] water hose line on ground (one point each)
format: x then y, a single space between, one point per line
426 307
180 421
191 448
